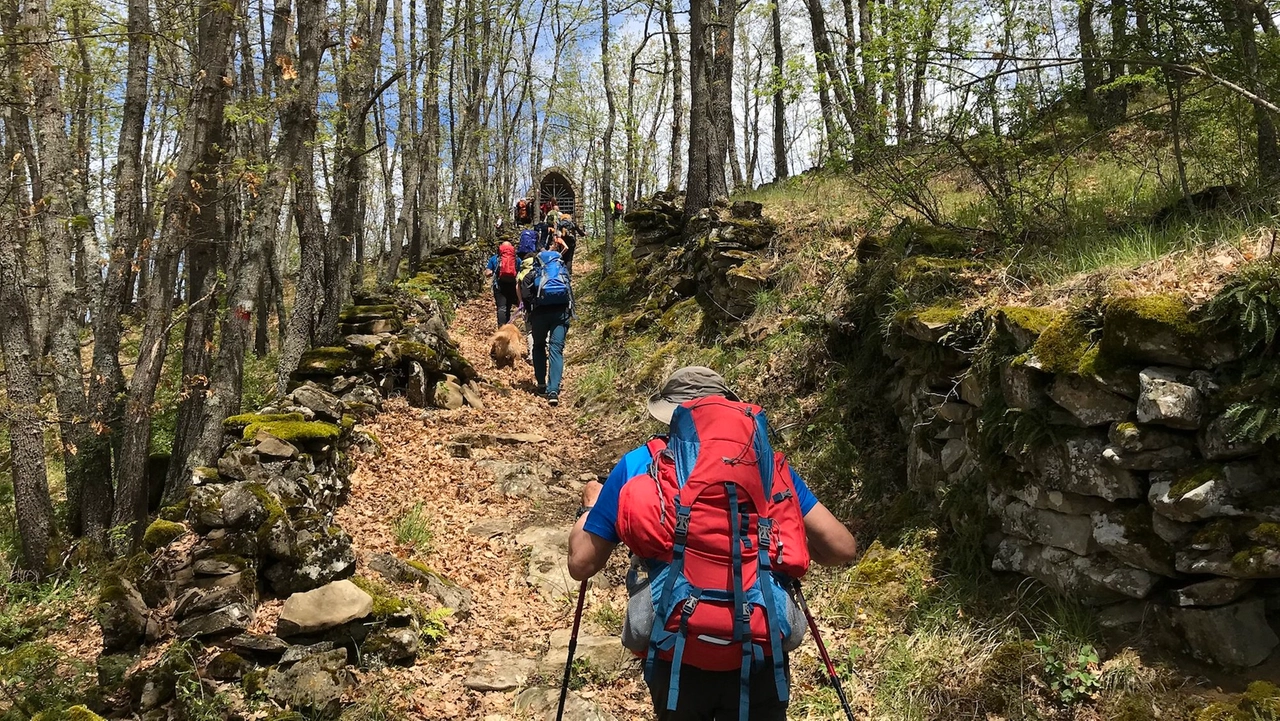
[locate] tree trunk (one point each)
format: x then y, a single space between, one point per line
32 506
606 178
870 111
298 122
429 190
780 171
1090 71
1117 99
676 167
825 58
203 117
55 210
723 31
1267 152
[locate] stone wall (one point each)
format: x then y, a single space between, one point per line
1101 440
259 524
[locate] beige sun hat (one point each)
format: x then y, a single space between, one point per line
686 384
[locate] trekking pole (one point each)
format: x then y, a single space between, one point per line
832 676
573 646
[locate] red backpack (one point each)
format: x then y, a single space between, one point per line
507 266
718 519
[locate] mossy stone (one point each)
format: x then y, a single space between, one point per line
420 352
227 665
161 533
1152 329
328 361
239 422
384 604
296 432
1062 345
80 713
178 511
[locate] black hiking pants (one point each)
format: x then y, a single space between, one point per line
713 695
504 295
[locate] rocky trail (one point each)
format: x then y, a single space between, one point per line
497 487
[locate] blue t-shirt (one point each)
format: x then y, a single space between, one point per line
602 521
493 268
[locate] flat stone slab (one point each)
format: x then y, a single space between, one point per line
541 704
496 670
326 607
606 654
491 527
548 560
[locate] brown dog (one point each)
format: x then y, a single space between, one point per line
506 346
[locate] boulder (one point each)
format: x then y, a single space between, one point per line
1091 404
236 588
1093 580
324 404
233 618
272 447
1078 466
122 614
1235 636
491 527
362 396
953 455
389 646
320 554
542 704
1135 438
472 396
244 505
1217 443
1157 329
1253 562
240 463
1165 399
315 683
227 666
1128 535
1163 459
448 394
1074 533
496 670
417 390
296 653
447 593
258 644
329 606
1214 592
1023 387
1060 501
1207 492
971 390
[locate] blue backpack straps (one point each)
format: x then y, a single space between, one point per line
552 279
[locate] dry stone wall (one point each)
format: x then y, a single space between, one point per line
259 524
1101 440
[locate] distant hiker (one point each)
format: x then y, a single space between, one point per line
617 209
526 268
523 216
548 300
570 240
552 215
750 525
503 269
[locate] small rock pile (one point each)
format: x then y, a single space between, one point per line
717 257
260 524
1108 458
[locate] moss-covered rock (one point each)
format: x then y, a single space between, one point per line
362 313
227 665
1024 324
385 605
161 533
296 432
238 423
81 713
329 361
1062 344
1156 329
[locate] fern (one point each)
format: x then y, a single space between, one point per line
1250 303
1253 421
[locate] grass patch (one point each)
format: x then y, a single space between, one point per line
414 529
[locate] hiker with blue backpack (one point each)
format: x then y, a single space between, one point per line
548 302
723 529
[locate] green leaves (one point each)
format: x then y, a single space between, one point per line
1073 679
1250 305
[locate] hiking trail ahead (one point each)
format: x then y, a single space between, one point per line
499 487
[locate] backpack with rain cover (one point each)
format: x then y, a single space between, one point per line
719 523
528 242
507 266
551 280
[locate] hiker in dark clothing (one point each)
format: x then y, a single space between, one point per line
548 302
700 412
569 234
502 268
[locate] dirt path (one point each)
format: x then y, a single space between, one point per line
494 508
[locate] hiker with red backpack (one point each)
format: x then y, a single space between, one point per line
723 529
503 269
